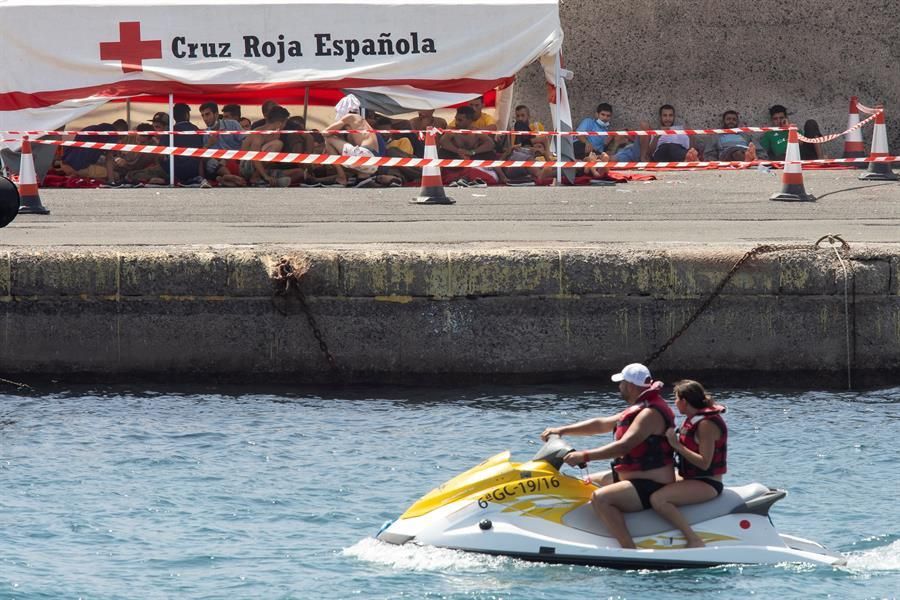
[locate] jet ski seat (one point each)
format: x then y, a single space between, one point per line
751 498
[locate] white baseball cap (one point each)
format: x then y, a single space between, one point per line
635 373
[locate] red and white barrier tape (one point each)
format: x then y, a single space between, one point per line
623 133
834 136
866 109
359 161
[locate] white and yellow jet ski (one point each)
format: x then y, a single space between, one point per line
533 512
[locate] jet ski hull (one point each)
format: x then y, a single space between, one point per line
533 512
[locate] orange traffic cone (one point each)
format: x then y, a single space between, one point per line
432 190
879 171
792 189
28 186
853 141
9 201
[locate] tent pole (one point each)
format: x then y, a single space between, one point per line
128 112
305 105
558 122
171 139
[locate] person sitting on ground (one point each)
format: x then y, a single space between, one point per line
538 151
361 144
212 168
671 147
256 172
125 164
295 143
245 123
187 168
265 108
466 145
88 162
523 122
701 446
643 456
585 144
775 142
480 120
426 119
422 122
731 146
153 173
232 112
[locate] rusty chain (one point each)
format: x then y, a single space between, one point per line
750 254
286 277
19 385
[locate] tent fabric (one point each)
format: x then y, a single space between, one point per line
64 58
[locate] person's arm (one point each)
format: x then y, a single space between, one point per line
337 125
486 144
707 436
588 427
641 428
448 143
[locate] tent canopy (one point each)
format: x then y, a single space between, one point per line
63 58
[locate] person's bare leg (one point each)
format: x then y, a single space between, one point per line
692 155
644 142
609 502
600 172
750 154
667 500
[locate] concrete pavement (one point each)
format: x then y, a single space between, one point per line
705 207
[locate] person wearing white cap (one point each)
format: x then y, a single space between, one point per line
362 143
642 456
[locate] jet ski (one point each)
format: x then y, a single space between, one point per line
534 512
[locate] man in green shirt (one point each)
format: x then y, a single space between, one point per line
775 142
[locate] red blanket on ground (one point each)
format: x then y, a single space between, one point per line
63 181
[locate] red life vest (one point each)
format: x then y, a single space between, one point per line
687 433
653 452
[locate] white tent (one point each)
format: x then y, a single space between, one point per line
63 58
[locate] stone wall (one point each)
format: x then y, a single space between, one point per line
708 56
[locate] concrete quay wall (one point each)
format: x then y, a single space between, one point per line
385 314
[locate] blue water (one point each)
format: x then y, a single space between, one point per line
138 494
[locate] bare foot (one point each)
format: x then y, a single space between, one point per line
750 154
691 156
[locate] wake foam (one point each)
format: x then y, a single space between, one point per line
883 558
411 557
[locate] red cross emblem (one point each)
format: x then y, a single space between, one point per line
131 49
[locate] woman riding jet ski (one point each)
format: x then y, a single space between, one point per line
532 511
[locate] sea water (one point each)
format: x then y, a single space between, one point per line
233 494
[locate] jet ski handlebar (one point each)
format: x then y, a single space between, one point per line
554 451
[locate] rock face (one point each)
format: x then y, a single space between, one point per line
707 57
193 313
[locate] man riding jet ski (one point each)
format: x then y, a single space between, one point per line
534 512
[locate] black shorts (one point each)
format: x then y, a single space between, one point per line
644 487
714 483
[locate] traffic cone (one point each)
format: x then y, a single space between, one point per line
879 171
28 186
9 201
792 189
853 141
432 190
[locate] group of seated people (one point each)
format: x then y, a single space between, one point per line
678 147
131 169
